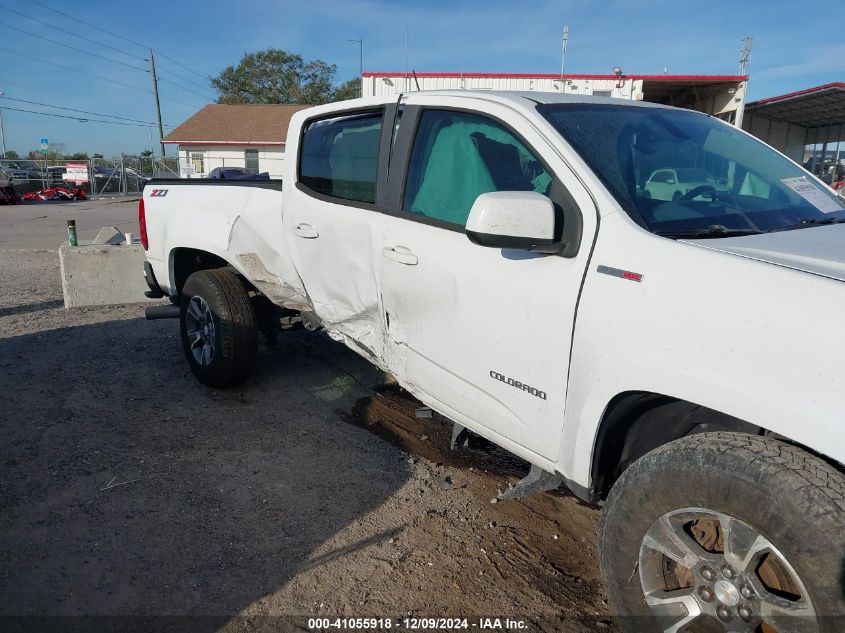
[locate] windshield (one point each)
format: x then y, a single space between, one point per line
678 172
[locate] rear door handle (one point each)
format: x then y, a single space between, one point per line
305 230
400 254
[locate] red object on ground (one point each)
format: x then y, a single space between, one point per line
56 193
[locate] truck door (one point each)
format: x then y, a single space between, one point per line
485 333
329 221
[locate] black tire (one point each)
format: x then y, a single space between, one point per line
234 335
676 196
788 496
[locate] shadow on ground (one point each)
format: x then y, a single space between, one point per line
130 489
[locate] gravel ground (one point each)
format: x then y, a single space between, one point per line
129 489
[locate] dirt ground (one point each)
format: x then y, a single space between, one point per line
129 489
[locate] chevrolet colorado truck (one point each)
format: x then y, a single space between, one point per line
674 360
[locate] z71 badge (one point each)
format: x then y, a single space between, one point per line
519 385
158 193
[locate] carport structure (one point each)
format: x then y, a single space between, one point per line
806 125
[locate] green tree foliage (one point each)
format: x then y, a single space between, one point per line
276 76
348 90
11 154
77 156
39 155
146 153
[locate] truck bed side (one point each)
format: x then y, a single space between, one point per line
238 221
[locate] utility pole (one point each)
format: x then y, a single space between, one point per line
360 42
563 51
745 55
158 105
744 58
2 134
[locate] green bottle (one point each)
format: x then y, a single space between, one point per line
71 233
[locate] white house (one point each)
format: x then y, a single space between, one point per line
220 135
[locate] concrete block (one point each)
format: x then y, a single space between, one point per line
101 274
109 235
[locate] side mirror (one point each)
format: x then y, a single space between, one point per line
520 220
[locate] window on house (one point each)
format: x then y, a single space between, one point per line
251 159
198 161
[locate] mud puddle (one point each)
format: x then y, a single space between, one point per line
396 416
546 540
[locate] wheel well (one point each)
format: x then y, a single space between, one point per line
635 423
186 261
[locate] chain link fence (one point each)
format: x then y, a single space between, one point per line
98 177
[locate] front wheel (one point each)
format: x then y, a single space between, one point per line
217 322
726 532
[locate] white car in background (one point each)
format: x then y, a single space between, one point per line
674 184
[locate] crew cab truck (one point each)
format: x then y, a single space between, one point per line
678 361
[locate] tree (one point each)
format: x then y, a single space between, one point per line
77 156
11 154
276 76
97 156
146 153
37 154
349 90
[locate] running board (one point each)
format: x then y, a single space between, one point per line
537 480
161 312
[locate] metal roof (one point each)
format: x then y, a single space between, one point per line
699 79
813 107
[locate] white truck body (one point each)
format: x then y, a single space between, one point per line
529 349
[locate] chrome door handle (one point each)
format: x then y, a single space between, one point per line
306 230
400 254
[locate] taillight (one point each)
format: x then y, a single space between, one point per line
142 225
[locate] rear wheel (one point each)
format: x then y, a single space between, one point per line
727 532
217 322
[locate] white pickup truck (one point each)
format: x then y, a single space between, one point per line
499 255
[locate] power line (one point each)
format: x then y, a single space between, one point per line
81 50
83 72
76 118
73 17
82 37
166 80
178 64
120 37
49 105
75 70
46 39
175 74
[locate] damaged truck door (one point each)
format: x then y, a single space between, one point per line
523 299
329 224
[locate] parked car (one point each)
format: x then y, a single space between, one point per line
677 361
21 169
674 184
56 175
237 173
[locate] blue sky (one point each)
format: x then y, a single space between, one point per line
795 47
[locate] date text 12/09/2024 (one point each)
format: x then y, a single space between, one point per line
416 624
